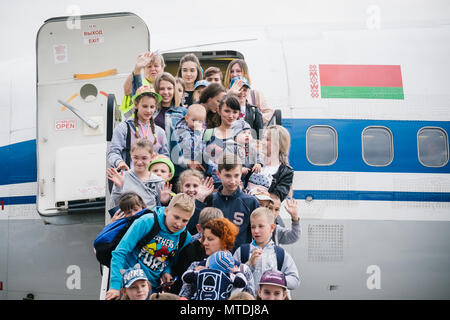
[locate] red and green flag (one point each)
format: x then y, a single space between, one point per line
360 81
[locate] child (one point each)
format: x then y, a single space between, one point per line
181 88
189 134
253 160
195 250
272 286
157 255
198 88
235 205
162 167
138 179
142 126
216 281
213 75
190 71
130 203
135 285
282 234
262 252
250 113
218 139
194 184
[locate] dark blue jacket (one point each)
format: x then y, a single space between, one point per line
236 208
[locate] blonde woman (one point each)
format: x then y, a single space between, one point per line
238 68
276 144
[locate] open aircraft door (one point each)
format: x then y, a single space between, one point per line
82 64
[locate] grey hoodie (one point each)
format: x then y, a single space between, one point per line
148 190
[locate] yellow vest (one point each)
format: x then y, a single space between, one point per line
127 107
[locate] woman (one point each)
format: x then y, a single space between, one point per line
238 68
220 138
210 99
219 235
275 146
190 71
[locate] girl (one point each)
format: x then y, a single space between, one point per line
138 179
181 88
272 286
237 68
217 139
210 99
135 284
153 65
194 184
170 112
130 203
275 146
190 71
142 126
219 235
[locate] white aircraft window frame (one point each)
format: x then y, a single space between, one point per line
336 153
391 138
446 146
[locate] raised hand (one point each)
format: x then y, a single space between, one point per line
117 178
142 60
165 192
205 189
291 207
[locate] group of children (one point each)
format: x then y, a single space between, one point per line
200 158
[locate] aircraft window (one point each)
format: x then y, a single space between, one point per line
432 145
377 146
321 145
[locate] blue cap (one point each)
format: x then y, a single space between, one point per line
200 83
239 125
131 275
246 83
221 260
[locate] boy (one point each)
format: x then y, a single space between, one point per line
157 255
189 135
249 112
213 75
235 204
162 167
282 234
262 252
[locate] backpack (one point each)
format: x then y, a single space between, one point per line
108 239
245 255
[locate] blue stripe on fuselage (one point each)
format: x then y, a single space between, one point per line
18 163
349 145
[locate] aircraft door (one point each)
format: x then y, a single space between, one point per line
80 66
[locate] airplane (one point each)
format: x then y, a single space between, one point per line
363 90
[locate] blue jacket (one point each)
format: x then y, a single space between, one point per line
236 208
154 257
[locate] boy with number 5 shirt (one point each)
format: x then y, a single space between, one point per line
235 204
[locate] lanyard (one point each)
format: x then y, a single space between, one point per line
144 134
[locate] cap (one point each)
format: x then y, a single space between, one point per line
275 278
261 195
131 275
146 89
238 126
166 160
221 260
200 83
246 83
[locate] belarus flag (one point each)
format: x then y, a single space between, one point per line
360 81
